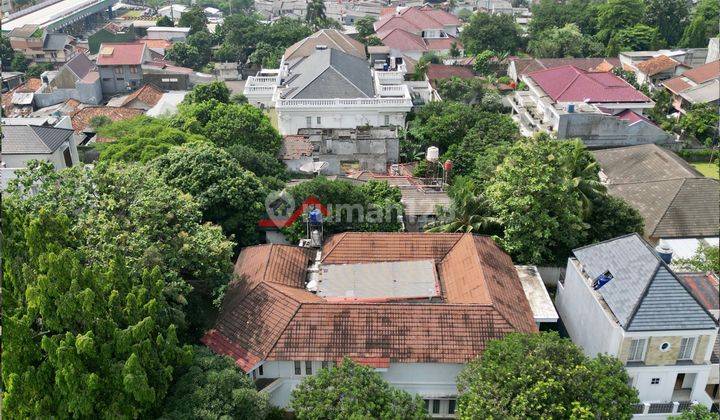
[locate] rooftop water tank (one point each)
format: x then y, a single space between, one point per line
664 251
432 154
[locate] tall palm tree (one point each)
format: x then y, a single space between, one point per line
584 171
469 212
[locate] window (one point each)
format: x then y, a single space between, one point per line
427 405
308 121
665 346
318 120
655 381
687 348
68 158
260 371
118 70
308 368
436 407
298 370
637 350
451 406
133 70
387 120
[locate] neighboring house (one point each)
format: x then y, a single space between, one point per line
346 13
173 11
110 33
619 297
167 105
120 66
344 150
678 204
166 76
23 143
157 46
598 107
11 80
695 86
416 307
78 79
421 198
19 101
144 98
174 34
519 67
331 89
213 14
414 31
706 289
82 118
654 71
691 57
40 46
273 9
437 72
328 38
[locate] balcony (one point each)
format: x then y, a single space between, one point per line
356 102
654 409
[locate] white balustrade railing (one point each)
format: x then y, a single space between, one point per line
262 80
259 89
298 103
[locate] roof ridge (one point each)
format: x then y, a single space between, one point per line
282 332
267 264
339 73
340 239
577 74
606 241
680 187
34 130
642 296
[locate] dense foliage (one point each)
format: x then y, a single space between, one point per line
706 258
701 123
226 193
373 206
469 91
213 387
543 376
353 391
487 31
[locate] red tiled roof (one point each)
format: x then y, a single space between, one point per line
698 75
632 117
81 118
482 299
415 19
571 84
403 40
156 43
442 71
122 53
529 65
657 64
705 288
148 94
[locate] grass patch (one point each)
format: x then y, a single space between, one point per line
710 170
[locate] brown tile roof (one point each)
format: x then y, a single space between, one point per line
705 288
148 94
162 44
81 118
30 85
693 77
441 71
600 64
277 319
657 65
295 146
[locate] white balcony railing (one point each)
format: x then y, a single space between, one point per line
263 80
393 90
389 77
259 89
359 102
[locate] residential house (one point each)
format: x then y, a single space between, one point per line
706 289
274 9
175 34
111 33
416 307
655 70
678 204
168 104
344 150
11 80
519 67
213 14
20 100
346 13
437 72
77 79
23 143
328 38
695 86
120 66
414 31
157 47
143 99
690 57
621 298
41 46
172 11
82 119
598 107
331 89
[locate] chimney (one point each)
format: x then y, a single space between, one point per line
664 251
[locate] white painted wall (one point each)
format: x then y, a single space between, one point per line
588 325
290 120
430 380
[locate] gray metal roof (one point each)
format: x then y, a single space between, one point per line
33 140
55 42
81 65
329 74
644 294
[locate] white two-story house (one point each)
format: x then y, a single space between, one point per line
621 298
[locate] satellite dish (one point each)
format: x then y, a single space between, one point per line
313 167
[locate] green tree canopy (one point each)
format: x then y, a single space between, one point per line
468 91
706 258
701 123
195 19
228 124
670 17
204 92
185 55
548 14
618 14
566 41
639 37
442 124
469 211
703 25
365 26
543 376
128 210
99 267
487 31
260 163
213 387
140 139
377 202
697 412
227 194
353 391
165 21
